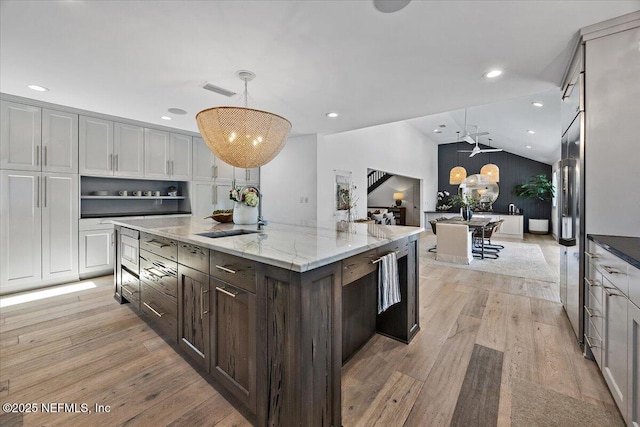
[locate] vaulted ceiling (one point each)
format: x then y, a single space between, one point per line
137 59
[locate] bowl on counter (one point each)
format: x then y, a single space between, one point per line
100 193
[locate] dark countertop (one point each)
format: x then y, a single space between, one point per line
626 248
474 212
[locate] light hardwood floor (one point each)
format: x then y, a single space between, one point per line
85 348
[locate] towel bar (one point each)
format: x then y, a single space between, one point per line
375 261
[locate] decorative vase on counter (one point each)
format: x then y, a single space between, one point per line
244 214
467 213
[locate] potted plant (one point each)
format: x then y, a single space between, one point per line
246 201
468 202
540 189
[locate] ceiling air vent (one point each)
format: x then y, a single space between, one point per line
218 89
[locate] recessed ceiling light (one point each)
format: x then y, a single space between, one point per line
531 132
332 115
493 73
537 104
165 118
38 88
437 131
528 146
179 111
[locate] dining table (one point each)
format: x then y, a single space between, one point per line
473 223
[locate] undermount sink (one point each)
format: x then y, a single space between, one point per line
227 233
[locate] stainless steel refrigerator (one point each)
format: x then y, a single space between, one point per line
570 191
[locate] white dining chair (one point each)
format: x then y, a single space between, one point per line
454 243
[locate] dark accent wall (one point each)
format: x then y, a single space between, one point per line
514 170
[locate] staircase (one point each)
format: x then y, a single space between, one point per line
375 179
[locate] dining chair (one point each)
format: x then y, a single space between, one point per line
454 243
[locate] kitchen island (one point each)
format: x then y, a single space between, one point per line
271 315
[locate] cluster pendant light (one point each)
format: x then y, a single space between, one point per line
243 137
490 170
457 174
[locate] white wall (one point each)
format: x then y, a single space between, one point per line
288 182
383 196
397 148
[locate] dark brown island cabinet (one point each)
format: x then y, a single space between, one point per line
274 338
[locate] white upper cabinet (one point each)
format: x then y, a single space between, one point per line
96 146
157 150
207 197
247 176
180 157
203 161
20 136
128 150
38 139
167 155
59 141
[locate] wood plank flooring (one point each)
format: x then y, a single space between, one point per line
483 337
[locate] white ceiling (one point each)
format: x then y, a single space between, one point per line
136 59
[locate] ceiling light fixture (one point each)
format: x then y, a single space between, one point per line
38 88
493 73
165 118
458 173
332 115
531 132
178 111
437 131
537 104
529 147
490 170
241 136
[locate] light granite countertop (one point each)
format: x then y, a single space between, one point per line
294 247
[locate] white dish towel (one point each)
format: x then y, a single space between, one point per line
388 282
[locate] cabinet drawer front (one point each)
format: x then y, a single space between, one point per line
401 247
593 285
158 245
131 288
160 273
193 256
358 266
612 268
594 313
161 310
235 270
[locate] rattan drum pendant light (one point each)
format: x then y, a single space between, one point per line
458 173
490 170
243 137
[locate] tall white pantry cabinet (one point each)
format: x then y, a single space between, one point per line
38 196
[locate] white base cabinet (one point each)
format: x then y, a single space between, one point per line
97 252
633 363
39 224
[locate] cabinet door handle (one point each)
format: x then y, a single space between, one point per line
215 171
110 162
166 168
156 244
205 293
589 312
214 195
124 288
611 294
45 155
151 308
593 284
589 342
171 167
45 191
232 294
611 270
247 174
350 266
591 255
37 155
116 162
38 194
228 270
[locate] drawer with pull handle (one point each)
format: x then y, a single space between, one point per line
610 266
160 310
131 288
358 266
593 339
234 270
158 245
193 256
159 273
